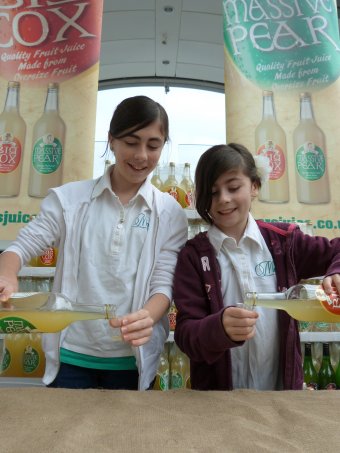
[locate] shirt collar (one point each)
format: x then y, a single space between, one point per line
252 231
104 183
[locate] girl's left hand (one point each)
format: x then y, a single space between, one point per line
136 328
331 282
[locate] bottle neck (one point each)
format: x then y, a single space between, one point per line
172 171
308 350
157 171
268 107
306 109
12 99
186 172
325 351
252 297
51 104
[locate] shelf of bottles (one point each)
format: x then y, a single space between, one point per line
23 360
36 278
321 365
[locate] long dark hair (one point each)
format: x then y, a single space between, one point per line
212 164
135 113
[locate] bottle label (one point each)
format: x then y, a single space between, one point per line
176 381
6 360
172 318
276 158
310 161
164 381
173 192
14 324
330 302
48 258
30 359
189 199
10 152
47 154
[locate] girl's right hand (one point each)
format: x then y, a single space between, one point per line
7 288
239 323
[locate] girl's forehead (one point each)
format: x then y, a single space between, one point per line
154 129
230 175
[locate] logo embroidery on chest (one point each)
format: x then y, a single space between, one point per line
265 269
141 221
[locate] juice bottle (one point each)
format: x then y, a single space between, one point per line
337 376
187 185
162 376
179 369
48 147
270 141
156 178
171 183
12 140
45 312
24 356
326 373
310 374
312 182
302 302
172 313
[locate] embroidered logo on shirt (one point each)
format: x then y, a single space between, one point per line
141 221
205 263
265 269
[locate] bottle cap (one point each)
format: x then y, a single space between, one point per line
13 84
53 85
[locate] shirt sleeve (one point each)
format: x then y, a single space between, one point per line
173 229
40 233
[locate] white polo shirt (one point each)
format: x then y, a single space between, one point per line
112 240
249 266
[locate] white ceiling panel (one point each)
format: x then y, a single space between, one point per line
126 71
129 51
202 27
202 53
164 39
203 6
128 25
128 5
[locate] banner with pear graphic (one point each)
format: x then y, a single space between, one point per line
282 66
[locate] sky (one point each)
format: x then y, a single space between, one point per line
196 117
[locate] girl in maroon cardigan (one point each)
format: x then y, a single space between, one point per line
228 346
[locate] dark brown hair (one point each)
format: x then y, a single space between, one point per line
135 113
212 164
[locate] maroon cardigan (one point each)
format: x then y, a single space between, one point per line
197 294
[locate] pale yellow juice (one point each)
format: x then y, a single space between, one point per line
300 309
24 356
42 321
